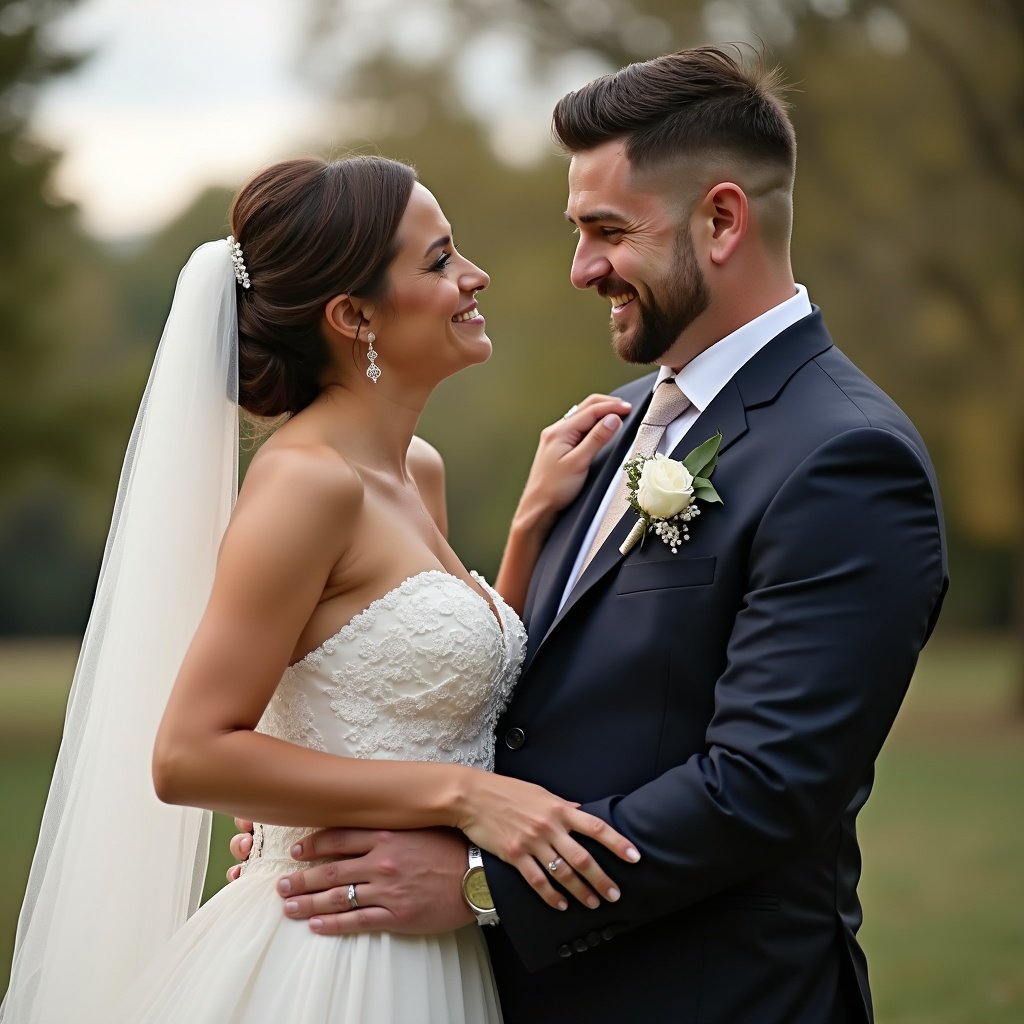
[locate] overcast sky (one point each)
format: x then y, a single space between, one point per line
183 93
179 93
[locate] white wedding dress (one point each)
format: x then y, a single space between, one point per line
421 675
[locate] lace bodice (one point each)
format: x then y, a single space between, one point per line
421 675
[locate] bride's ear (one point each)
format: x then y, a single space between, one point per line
346 315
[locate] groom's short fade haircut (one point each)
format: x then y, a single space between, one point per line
690 102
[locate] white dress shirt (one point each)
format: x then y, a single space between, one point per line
701 380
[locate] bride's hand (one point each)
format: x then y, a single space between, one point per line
240 846
529 828
564 453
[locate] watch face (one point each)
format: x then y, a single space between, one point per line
476 890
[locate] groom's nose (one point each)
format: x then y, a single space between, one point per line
588 265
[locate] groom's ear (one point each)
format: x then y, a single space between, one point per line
346 315
723 218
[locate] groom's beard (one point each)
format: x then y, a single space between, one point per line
661 321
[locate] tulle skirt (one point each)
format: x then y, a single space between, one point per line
238 960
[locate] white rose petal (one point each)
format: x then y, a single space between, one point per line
665 488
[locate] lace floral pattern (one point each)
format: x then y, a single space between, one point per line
428 673
289 717
421 675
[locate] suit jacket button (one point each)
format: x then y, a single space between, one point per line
564 951
515 738
580 945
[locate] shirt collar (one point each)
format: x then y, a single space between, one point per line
706 374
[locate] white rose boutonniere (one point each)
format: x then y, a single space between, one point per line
665 487
664 493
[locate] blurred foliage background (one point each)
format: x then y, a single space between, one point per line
909 228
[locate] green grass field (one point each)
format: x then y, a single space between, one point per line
943 834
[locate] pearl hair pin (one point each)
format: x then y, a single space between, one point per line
241 273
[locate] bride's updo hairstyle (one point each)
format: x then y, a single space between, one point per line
309 230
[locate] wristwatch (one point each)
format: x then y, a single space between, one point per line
475 890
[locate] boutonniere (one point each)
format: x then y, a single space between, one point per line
664 493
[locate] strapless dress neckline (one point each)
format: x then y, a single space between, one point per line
357 620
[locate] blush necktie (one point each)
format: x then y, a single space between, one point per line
668 404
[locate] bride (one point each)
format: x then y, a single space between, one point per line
315 654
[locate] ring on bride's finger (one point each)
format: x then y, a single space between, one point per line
353 903
554 865
568 413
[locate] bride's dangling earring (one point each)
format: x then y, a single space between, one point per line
373 370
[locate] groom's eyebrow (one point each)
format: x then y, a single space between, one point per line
590 218
439 244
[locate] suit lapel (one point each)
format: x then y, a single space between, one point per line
726 414
562 547
758 382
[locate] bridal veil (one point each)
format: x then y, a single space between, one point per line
115 871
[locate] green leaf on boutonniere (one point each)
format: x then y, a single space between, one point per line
703 459
704 489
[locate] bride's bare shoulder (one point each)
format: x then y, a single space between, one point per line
424 460
300 474
427 468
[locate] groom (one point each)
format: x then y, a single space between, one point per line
722 706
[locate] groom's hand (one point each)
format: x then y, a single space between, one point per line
409 881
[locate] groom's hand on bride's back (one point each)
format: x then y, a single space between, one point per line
409 881
406 881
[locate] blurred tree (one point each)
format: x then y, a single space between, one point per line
56 516
910 216
71 369
47 282
38 243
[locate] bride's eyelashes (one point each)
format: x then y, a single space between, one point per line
441 263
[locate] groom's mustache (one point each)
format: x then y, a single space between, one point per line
610 286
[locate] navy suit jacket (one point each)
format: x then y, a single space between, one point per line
723 707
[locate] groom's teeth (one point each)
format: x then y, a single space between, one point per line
618 301
470 314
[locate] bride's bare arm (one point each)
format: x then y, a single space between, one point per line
564 453
288 532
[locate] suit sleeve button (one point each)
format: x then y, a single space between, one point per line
593 939
580 945
607 933
515 738
564 951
